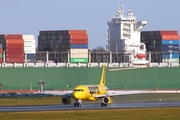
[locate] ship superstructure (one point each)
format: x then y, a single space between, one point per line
124 36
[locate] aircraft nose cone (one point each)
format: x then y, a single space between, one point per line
76 95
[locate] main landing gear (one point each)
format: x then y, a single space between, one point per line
78 103
103 104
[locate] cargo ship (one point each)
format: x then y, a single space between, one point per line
64 61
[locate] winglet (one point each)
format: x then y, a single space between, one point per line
103 76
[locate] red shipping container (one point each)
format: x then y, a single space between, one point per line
14 50
1 60
170 37
13 36
1 51
77 32
14 41
78 37
14 55
169 32
14 46
14 60
79 41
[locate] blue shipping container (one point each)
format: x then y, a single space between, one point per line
31 60
173 51
167 47
79 46
170 41
31 55
165 56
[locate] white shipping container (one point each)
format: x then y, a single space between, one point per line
79 51
79 55
29 47
30 41
28 37
29 44
29 50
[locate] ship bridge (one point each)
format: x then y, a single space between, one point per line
124 35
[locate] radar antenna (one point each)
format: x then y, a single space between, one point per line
130 13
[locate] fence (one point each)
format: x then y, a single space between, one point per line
104 57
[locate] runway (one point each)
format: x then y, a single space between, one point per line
89 107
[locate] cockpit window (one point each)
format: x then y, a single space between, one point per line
79 90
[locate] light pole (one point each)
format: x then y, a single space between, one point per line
41 83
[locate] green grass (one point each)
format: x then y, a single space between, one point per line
30 101
120 114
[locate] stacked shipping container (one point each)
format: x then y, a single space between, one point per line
162 41
79 55
13 45
1 53
14 48
30 47
78 46
75 41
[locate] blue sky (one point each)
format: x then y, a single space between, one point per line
32 16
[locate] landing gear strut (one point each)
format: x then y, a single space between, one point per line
78 103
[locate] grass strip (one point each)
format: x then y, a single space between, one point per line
118 114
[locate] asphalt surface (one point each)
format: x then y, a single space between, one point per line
89 107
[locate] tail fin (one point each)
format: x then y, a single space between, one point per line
103 76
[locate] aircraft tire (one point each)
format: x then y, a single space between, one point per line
74 104
103 105
78 105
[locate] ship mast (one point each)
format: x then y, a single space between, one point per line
120 11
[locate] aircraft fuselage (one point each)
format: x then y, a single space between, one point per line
88 92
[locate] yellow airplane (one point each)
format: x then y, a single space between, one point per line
95 92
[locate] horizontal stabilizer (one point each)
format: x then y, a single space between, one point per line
125 68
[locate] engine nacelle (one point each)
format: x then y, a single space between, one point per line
66 100
107 100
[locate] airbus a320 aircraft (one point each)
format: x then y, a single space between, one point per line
95 92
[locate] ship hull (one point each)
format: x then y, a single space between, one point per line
66 78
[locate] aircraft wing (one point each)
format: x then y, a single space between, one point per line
59 93
134 92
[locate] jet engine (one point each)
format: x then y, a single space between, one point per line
107 100
66 100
